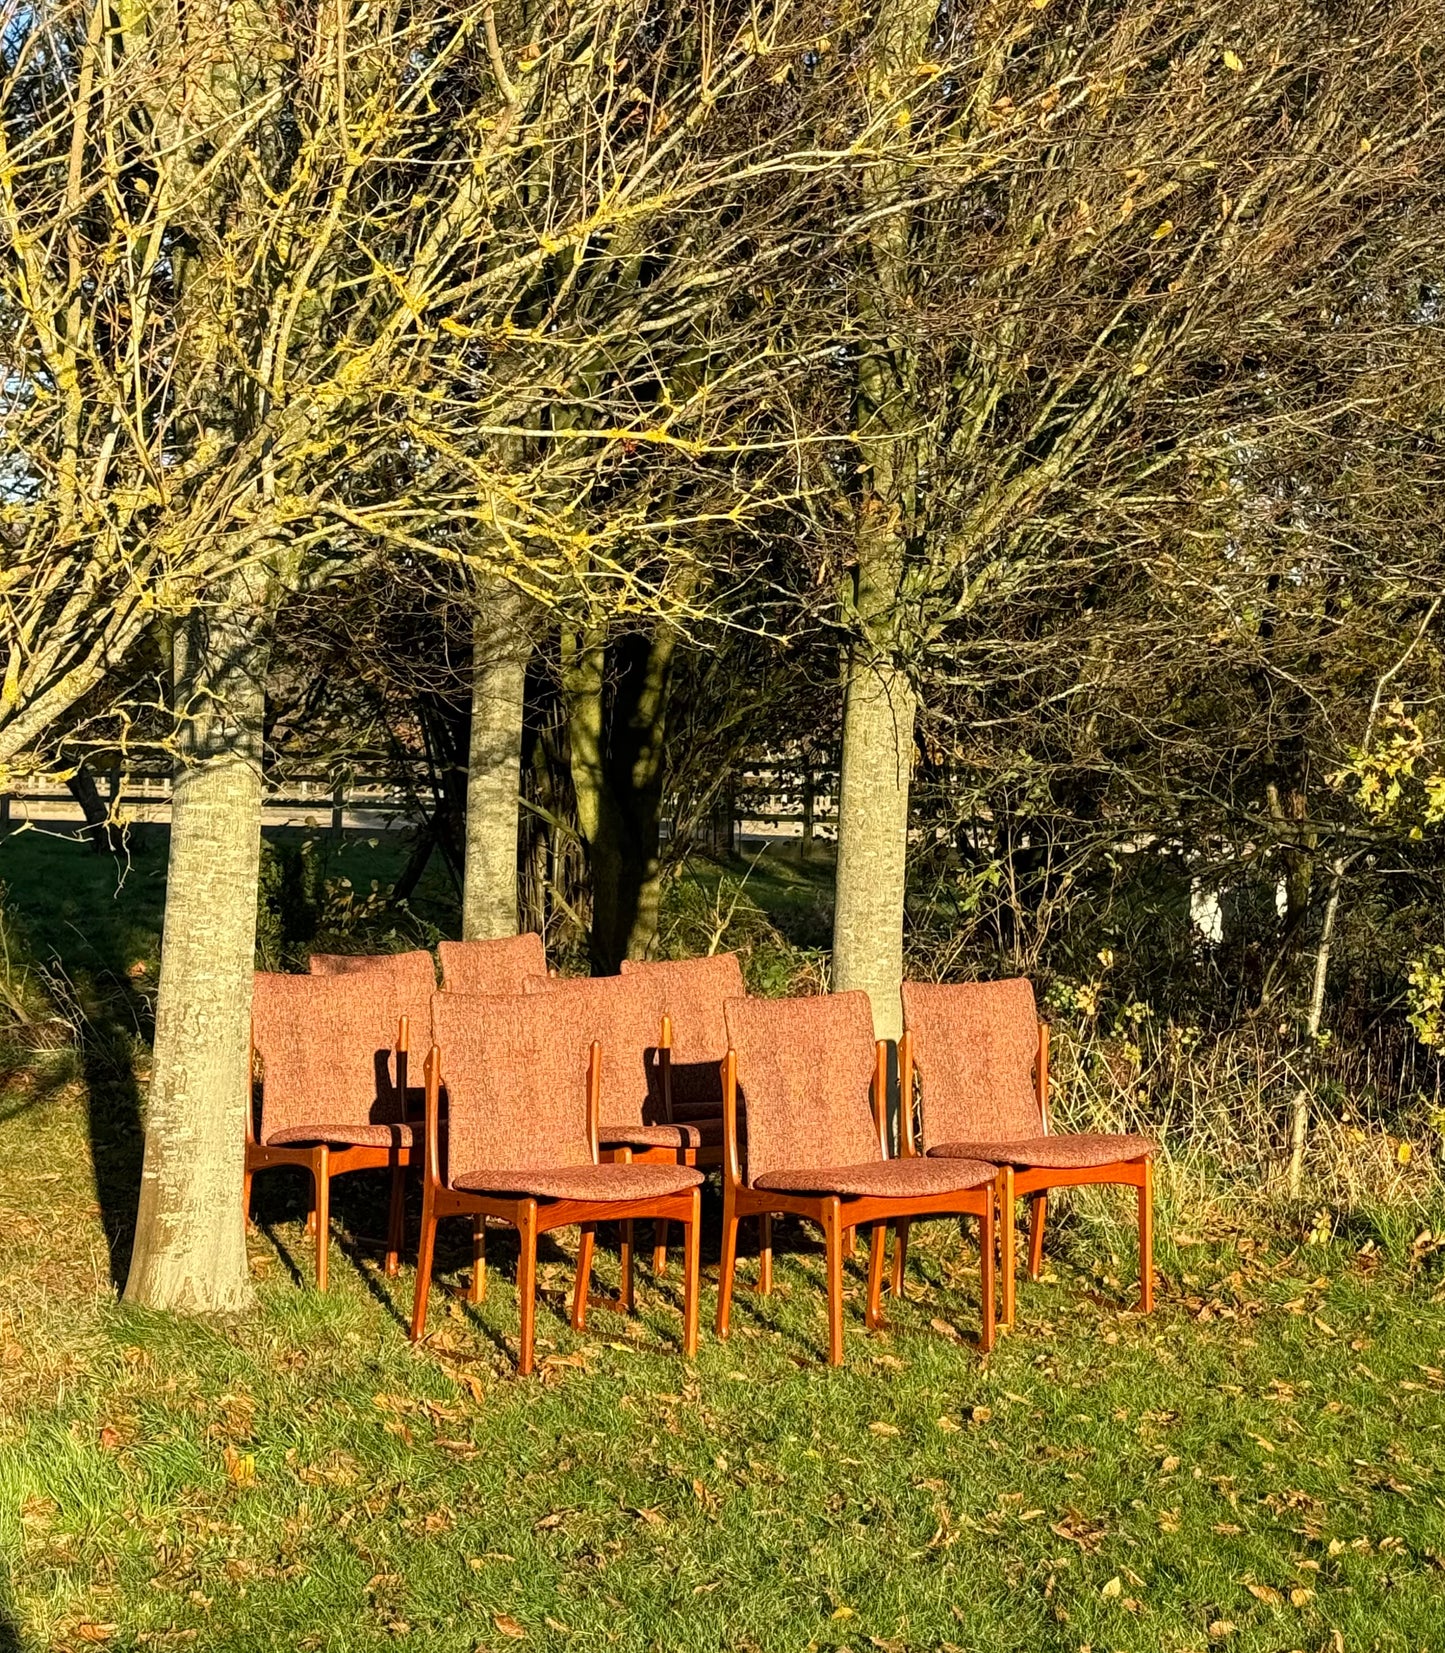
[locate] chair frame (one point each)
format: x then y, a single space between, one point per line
534 1215
1033 1184
324 1162
708 1157
835 1214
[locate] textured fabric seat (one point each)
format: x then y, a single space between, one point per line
895 1179
491 967
705 1131
585 1182
344 1136
1080 1150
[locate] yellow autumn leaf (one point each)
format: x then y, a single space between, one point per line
1231 61
1114 1587
1402 1153
1166 228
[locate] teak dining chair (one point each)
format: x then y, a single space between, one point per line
491 967
815 1147
523 1086
332 1051
981 1055
692 1043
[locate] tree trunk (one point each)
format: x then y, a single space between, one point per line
1300 1108
878 697
190 1251
878 711
494 767
617 775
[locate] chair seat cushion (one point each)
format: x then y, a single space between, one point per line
343 1136
686 1133
584 1182
1081 1151
890 1179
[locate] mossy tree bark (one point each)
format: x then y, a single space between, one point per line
190 1251
617 723
501 647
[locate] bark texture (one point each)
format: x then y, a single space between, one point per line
617 723
190 1252
879 702
494 767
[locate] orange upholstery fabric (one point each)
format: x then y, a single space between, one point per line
515 1072
344 1136
895 1179
325 1045
686 1133
1053 1153
805 1068
974 1047
493 967
587 1182
624 1014
693 992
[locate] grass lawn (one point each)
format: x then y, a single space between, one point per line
1256 1467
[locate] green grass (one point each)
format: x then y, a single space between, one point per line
1256 1467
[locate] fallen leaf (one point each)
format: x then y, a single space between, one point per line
1266 1593
88 1631
508 1626
240 1466
1232 62
1299 1596
843 1613
1114 1587
1219 1629
882 1428
949 1426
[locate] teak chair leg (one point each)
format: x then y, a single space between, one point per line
850 1241
692 1269
584 1277
1146 1240
877 1239
246 1201
1007 1233
322 1178
833 1233
765 1254
478 1291
659 1248
1038 1210
425 1248
626 1296
900 1255
727 1262
986 1277
396 1221
527 1283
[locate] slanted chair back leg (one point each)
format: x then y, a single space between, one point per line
901 1231
692 1268
727 1262
1038 1212
833 1233
877 1241
583 1283
527 1282
321 1174
1008 1263
478 1292
1146 1239
396 1216
765 1254
659 1248
986 1274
